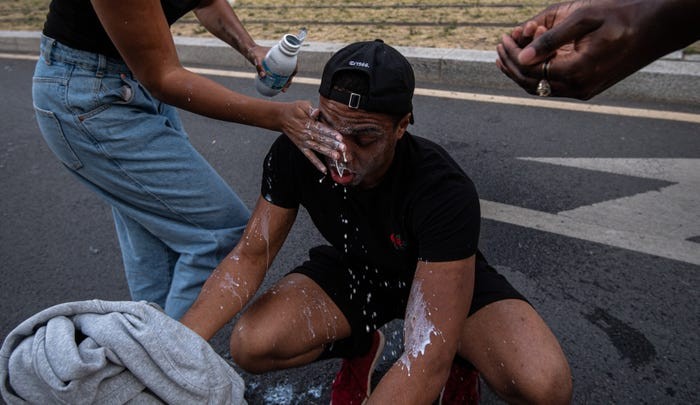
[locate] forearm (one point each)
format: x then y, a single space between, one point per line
200 95
677 22
650 29
218 17
411 381
229 288
437 307
239 276
148 49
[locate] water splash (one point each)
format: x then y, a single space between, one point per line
265 233
315 392
321 308
418 328
341 167
279 394
233 287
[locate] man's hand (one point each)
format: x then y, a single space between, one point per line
593 44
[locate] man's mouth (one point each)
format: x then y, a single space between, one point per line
340 173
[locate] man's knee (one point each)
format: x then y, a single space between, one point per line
549 385
250 347
555 388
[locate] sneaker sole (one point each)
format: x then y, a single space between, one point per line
380 349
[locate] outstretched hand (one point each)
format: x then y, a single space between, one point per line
590 44
301 125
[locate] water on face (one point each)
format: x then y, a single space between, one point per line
341 166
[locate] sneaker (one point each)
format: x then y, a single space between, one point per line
353 383
462 386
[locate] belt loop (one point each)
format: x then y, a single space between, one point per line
101 65
48 49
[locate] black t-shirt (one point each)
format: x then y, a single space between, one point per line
74 23
426 208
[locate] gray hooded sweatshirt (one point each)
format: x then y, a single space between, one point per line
111 352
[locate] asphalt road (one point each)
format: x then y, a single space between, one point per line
593 216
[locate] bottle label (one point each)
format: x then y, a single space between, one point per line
273 80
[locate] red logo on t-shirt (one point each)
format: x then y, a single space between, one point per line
396 240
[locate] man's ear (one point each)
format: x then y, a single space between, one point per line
403 124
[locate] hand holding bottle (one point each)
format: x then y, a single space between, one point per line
279 65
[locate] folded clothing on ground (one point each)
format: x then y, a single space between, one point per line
112 352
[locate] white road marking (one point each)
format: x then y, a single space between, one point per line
562 225
656 222
563 105
18 56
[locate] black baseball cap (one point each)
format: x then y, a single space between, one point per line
391 79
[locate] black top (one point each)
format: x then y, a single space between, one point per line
74 23
426 208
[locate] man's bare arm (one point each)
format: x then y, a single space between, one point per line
437 309
237 278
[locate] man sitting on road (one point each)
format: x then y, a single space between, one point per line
402 220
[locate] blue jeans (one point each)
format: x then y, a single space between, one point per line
176 218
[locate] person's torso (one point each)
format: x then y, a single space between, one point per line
382 229
74 23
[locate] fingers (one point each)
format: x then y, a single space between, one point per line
256 55
308 143
540 30
314 160
529 76
313 112
322 133
311 135
517 34
527 33
320 138
573 28
291 77
325 139
526 77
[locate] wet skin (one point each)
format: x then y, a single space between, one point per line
370 139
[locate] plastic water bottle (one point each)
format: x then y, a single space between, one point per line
279 64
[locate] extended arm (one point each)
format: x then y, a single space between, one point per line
238 277
593 44
218 17
437 309
140 32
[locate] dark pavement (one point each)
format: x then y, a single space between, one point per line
627 321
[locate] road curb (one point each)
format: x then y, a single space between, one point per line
674 78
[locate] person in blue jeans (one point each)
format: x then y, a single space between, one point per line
105 91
